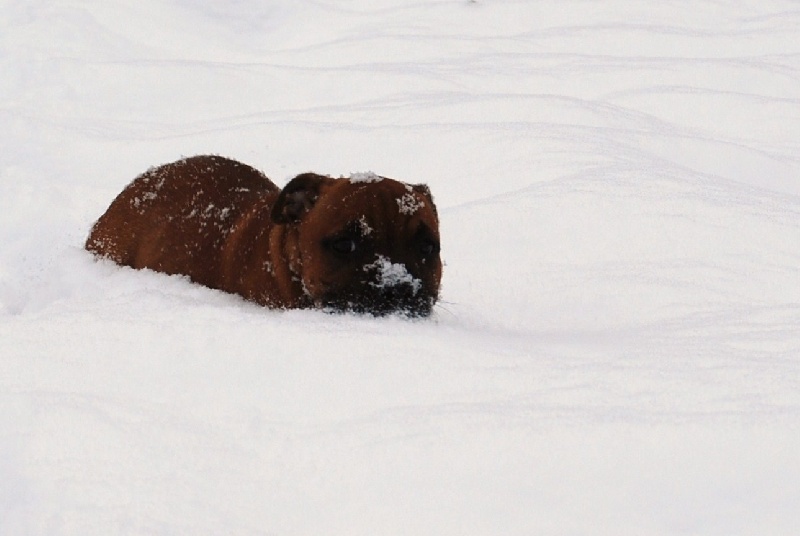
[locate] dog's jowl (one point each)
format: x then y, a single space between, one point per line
364 243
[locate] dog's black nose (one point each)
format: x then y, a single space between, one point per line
399 293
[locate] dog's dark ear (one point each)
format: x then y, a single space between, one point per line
297 197
426 192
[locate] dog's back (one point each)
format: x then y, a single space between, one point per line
175 218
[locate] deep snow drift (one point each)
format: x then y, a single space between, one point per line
617 350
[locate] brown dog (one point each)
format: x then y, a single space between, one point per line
364 243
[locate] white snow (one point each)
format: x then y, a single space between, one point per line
391 274
365 176
408 204
617 350
364 226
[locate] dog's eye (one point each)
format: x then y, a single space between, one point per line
428 248
343 245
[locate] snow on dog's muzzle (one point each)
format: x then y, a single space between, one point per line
391 275
387 288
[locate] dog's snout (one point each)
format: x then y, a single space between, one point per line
398 292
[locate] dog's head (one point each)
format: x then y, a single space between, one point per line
365 243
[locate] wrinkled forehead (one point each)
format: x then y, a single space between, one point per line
379 203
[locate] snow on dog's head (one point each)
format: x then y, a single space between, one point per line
365 176
408 204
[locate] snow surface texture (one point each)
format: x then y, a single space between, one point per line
618 346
